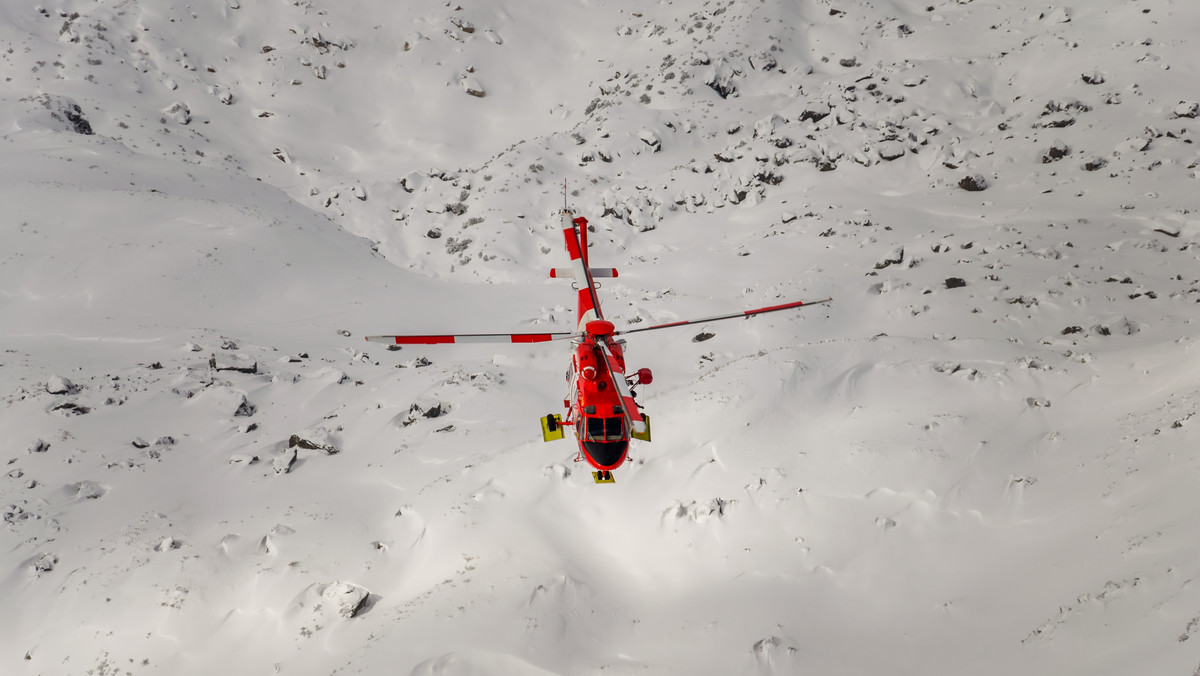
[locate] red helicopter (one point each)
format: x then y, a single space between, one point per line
600 405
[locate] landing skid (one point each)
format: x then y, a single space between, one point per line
605 477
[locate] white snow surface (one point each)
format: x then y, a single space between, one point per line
981 458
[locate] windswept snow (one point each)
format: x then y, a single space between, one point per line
978 459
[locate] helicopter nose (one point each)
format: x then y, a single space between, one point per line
589 373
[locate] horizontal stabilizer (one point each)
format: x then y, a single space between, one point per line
568 273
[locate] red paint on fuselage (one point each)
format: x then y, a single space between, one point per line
596 406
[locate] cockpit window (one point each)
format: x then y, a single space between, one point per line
614 429
595 429
605 429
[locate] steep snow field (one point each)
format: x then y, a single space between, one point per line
980 458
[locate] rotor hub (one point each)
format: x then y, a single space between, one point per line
600 328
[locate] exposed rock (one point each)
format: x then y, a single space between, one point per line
955 282
419 410
340 599
318 438
59 385
720 77
65 111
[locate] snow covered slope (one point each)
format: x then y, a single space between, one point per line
978 459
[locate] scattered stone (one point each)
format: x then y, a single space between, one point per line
284 461
70 408
955 282
1132 145
703 336
1093 78
651 139
1059 15
244 410
1095 163
88 490
815 111
1056 152
895 257
472 87
39 446
973 183
179 112
1187 109
891 150
44 563
417 411
1072 329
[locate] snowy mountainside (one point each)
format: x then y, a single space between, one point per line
977 459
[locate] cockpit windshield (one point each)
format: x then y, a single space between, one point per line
605 429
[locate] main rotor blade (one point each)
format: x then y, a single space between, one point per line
744 313
629 408
471 338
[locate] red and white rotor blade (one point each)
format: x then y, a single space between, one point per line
735 315
462 338
629 407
